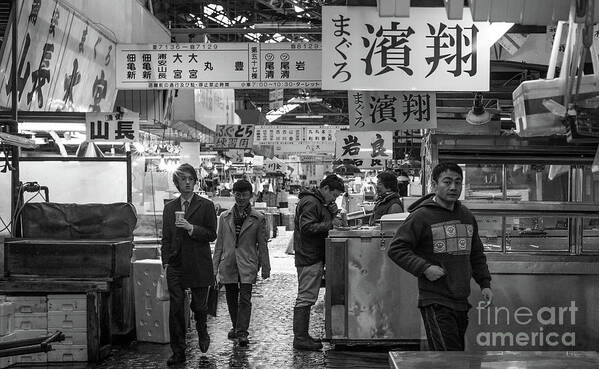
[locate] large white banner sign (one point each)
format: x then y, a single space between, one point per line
391 111
64 62
218 65
372 146
425 52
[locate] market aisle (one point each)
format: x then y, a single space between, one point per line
271 332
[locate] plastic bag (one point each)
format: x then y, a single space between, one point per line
162 287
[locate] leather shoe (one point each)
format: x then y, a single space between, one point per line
175 359
204 343
232 335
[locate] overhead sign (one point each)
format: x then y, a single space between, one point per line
65 62
218 65
234 136
280 134
425 52
112 127
391 111
369 145
305 147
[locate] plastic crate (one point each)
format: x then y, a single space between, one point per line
29 304
36 358
66 353
67 303
58 320
74 337
7 318
31 321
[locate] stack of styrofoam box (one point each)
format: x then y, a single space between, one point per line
7 326
31 321
151 314
68 314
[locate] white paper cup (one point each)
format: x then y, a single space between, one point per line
179 215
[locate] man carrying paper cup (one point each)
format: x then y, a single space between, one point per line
189 225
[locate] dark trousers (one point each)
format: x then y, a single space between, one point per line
176 316
239 302
445 327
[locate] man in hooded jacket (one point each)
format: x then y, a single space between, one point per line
439 243
315 215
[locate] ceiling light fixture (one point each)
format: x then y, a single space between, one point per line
478 115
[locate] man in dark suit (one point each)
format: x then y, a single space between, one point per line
186 238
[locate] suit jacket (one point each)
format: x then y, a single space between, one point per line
246 254
190 253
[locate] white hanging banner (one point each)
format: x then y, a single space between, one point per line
391 111
425 52
65 61
218 65
366 145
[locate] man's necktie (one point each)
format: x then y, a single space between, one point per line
185 206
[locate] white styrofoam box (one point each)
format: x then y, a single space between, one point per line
152 323
67 303
151 314
38 357
24 335
61 353
29 304
74 337
31 321
7 318
6 361
67 320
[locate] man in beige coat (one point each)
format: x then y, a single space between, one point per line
241 250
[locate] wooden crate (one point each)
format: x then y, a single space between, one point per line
67 259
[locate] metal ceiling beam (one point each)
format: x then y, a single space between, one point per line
244 30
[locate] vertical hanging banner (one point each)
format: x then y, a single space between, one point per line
425 52
65 63
367 148
218 65
234 136
120 127
391 111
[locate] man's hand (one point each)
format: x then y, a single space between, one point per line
337 222
183 223
265 275
434 272
487 297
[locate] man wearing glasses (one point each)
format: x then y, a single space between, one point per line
188 227
240 251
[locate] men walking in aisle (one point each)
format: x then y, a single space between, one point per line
315 215
241 250
189 225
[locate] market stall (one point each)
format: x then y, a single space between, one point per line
535 200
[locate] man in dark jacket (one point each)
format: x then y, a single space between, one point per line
315 215
186 238
439 244
388 200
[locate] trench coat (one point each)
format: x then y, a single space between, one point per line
244 256
193 250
